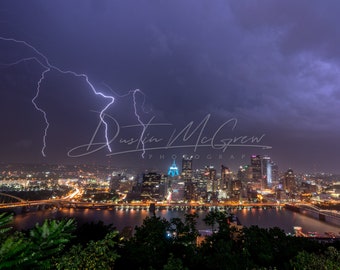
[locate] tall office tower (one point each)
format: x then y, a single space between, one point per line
151 186
255 163
187 167
226 181
164 187
210 174
115 182
173 170
266 172
201 181
242 173
189 187
269 175
289 183
275 173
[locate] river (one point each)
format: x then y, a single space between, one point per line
265 218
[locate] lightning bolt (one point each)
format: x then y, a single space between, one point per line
134 96
43 61
139 120
41 110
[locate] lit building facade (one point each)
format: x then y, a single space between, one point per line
289 181
187 176
173 170
187 167
256 166
201 181
226 179
210 176
266 172
151 186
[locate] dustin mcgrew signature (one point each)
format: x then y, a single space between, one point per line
190 136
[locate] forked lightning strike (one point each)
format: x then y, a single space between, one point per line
134 96
43 61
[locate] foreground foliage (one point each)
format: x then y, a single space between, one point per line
37 249
96 255
160 244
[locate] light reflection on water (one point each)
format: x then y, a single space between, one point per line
265 218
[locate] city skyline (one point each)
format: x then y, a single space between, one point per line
219 81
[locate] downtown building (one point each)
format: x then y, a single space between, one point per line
289 181
154 186
264 171
175 185
201 182
212 184
187 177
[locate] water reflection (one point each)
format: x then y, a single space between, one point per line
264 218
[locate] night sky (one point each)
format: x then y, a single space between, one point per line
235 69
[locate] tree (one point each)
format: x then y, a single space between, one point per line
211 219
14 248
149 247
184 232
219 218
330 260
50 239
5 220
38 248
174 264
101 254
15 252
219 250
258 244
92 231
191 223
184 235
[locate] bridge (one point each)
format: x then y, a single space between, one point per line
5 198
313 209
330 216
9 202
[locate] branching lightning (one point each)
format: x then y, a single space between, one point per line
43 61
139 120
42 111
134 96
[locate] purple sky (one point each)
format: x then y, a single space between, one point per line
272 65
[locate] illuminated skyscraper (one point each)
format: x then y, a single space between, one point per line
275 172
201 181
187 167
189 187
173 170
269 175
210 175
266 172
151 186
243 173
289 183
226 179
255 163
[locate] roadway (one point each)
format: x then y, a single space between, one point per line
68 200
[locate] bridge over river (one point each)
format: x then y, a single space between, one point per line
329 216
15 204
9 203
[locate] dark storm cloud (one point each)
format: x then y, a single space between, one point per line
297 63
274 65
